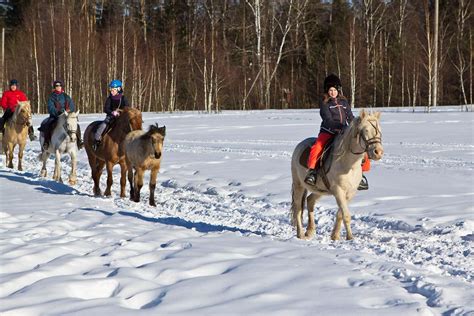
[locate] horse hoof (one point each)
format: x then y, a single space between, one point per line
152 204
309 234
334 238
10 166
349 237
72 182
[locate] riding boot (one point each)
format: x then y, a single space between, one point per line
96 144
2 125
31 133
364 184
311 177
80 143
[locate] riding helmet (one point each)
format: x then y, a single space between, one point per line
13 82
115 84
332 81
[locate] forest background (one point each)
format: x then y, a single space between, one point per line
213 55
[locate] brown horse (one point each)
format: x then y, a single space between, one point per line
111 151
143 152
16 132
363 136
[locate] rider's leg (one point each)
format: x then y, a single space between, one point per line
364 184
99 131
315 155
6 116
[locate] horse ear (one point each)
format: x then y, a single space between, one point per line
363 114
377 115
78 111
162 130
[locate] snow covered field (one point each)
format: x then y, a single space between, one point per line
219 240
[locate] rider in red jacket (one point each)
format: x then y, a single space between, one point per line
9 102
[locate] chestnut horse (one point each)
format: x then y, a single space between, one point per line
111 150
16 133
362 136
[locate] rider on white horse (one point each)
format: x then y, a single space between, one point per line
58 103
336 114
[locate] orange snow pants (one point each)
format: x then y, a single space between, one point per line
317 150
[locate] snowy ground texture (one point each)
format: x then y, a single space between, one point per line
219 240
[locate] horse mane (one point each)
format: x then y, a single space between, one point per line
153 129
340 147
20 106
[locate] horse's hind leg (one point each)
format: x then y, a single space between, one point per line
123 178
110 166
298 195
311 229
138 179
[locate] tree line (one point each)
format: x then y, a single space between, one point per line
212 55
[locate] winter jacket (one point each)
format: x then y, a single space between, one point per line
11 98
115 102
336 113
58 103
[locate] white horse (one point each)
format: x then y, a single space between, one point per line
63 140
363 136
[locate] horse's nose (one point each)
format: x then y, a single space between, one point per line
378 152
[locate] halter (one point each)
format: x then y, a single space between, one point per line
26 121
371 141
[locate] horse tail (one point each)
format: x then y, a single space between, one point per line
297 202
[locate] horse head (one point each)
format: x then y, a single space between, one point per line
157 135
69 124
22 115
369 134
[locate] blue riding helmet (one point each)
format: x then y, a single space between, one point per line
13 82
115 84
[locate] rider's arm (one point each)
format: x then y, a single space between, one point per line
52 107
22 96
107 107
3 102
72 106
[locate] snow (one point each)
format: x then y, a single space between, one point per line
219 240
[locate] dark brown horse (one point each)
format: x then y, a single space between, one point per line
111 150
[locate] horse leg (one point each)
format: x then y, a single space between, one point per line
153 174
73 175
337 226
311 229
130 179
138 179
96 173
20 155
298 195
57 167
44 158
9 155
109 166
345 213
123 178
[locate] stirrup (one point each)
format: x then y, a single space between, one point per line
311 177
96 144
364 184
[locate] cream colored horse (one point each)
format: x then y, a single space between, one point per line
363 136
143 152
16 133
63 141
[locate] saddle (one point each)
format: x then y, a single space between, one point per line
107 129
324 160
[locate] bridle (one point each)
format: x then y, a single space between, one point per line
368 142
70 130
